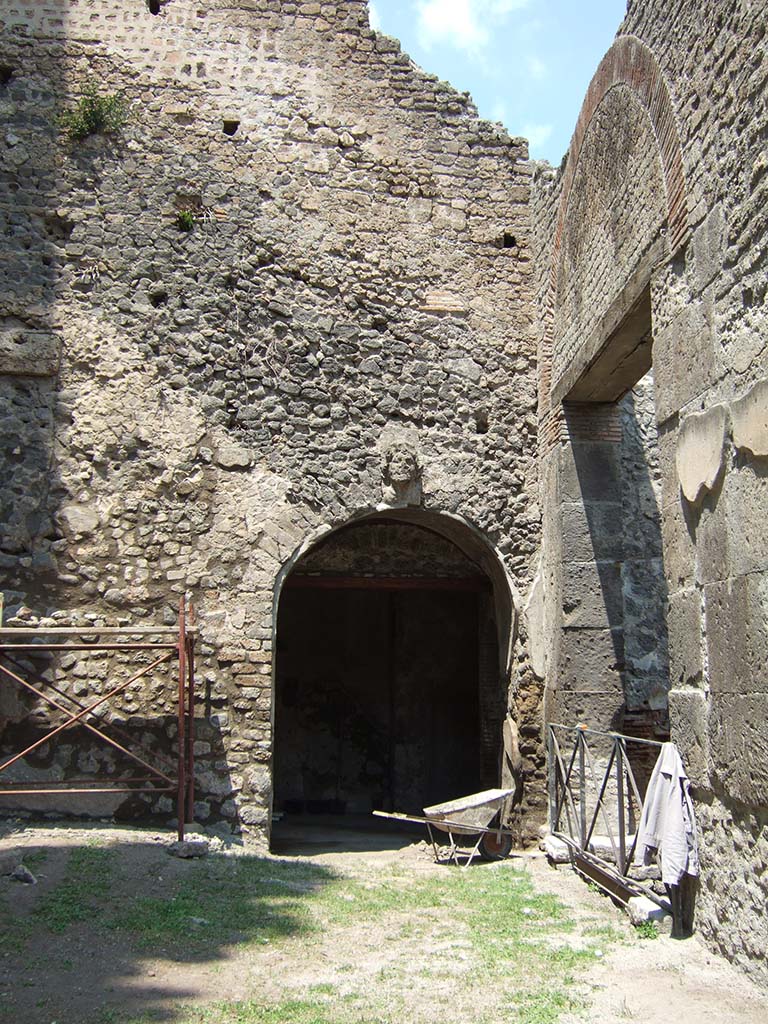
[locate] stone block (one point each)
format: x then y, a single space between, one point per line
592 531
667 447
749 420
233 456
683 359
590 471
738 739
592 595
645 606
684 628
736 613
597 709
591 659
557 851
708 248
21 873
688 715
188 849
746 494
679 546
27 352
710 527
78 519
700 445
641 910
538 641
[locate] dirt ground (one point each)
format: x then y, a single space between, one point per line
661 979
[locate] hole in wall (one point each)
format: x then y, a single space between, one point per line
58 227
6 74
154 6
158 297
230 127
508 241
481 421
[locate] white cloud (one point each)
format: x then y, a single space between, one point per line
537 69
373 16
537 134
499 111
463 24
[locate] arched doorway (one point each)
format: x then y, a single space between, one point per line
392 642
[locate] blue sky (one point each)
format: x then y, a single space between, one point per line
527 63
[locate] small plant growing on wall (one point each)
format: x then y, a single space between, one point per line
191 211
94 114
185 220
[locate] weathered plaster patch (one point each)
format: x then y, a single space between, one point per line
749 418
534 624
699 457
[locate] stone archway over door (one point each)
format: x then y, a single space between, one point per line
389 689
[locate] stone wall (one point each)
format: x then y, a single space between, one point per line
700 76
643 584
293 287
300 285
710 362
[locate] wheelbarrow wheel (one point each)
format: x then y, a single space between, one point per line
494 846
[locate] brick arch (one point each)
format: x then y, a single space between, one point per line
629 62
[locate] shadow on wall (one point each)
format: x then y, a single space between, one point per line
106 906
615 592
144 724
35 234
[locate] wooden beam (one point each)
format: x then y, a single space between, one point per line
473 584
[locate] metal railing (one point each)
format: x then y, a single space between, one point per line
175 775
591 780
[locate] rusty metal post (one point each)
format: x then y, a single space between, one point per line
191 720
551 781
182 787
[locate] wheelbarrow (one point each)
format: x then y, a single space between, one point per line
466 816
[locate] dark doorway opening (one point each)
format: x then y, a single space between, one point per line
388 693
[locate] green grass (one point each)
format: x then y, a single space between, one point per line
647 930
490 929
35 859
293 1011
226 900
80 893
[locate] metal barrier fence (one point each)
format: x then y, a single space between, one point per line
591 779
171 643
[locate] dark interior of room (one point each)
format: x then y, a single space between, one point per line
377 703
